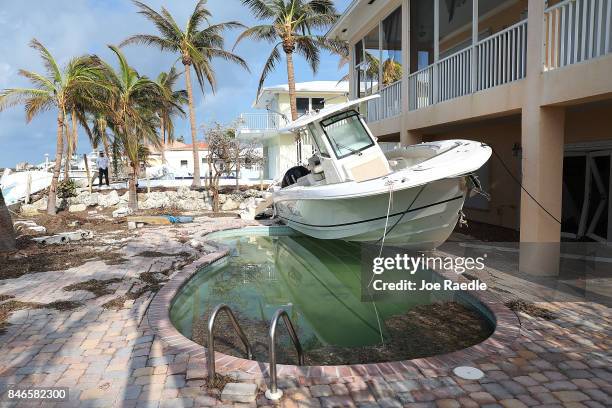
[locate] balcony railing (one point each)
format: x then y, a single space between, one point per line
388 105
576 31
498 59
259 122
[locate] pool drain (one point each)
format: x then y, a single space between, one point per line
468 373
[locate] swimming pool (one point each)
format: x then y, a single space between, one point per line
319 284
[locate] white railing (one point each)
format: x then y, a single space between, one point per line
261 121
575 31
420 88
500 58
455 75
388 105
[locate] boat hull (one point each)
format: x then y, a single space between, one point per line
420 217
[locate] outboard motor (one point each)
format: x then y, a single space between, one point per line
293 174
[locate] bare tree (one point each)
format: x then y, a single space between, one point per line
227 154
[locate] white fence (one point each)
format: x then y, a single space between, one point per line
261 121
388 105
576 31
420 88
500 58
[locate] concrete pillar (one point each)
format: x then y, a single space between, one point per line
542 139
410 137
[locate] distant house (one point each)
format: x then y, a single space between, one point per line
180 156
281 150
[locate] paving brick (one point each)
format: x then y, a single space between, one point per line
570 396
321 391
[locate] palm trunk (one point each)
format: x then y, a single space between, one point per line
67 133
7 234
291 83
133 193
196 159
162 128
59 149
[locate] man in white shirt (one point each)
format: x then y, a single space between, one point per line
102 163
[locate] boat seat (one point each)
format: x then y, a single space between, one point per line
314 165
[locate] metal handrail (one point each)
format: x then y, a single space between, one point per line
211 340
274 393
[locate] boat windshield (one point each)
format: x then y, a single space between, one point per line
346 134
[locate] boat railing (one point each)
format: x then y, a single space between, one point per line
211 339
273 392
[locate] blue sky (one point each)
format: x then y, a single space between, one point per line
73 27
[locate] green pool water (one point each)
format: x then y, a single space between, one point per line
317 282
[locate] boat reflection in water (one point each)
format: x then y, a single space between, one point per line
317 282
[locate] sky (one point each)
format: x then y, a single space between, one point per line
75 27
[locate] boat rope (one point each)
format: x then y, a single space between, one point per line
389 206
517 181
382 244
404 212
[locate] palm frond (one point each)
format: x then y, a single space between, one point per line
146 39
165 27
273 59
261 9
307 48
200 14
48 60
264 32
16 96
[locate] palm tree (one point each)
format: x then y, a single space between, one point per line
130 106
290 27
197 47
7 235
172 106
59 88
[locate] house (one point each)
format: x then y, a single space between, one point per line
532 79
281 150
179 156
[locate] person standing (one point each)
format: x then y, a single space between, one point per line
102 163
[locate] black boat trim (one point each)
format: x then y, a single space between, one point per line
372 219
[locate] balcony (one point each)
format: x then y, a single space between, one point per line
388 105
576 31
493 61
260 122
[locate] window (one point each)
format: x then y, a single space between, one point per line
184 164
302 105
320 145
317 103
392 48
371 61
378 56
203 160
346 134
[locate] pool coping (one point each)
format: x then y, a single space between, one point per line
507 330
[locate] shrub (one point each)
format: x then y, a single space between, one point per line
66 188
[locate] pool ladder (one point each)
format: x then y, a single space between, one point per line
273 393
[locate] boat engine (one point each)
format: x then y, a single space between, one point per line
293 174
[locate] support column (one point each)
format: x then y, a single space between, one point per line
542 139
474 70
436 49
410 137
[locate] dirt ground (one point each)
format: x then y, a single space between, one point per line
422 332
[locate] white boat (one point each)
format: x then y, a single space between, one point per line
352 190
15 185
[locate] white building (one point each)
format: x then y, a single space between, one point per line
281 150
179 156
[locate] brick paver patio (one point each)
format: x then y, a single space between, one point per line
115 358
